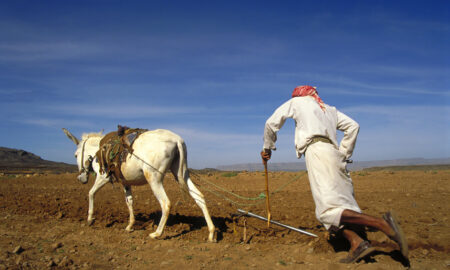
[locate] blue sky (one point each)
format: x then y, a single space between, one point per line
214 71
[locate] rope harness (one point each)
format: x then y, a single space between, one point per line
260 198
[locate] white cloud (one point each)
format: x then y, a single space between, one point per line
46 51
122 110
351 86
389 132
222 139
52 122
418 113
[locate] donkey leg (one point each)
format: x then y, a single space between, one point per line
129 201
99 183
161 196
200 200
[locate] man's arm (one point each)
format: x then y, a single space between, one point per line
275 123
351 130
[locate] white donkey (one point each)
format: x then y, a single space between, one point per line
154 152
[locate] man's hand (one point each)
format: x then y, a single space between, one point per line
266 154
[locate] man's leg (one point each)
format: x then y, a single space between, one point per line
359 248
388 225
353 238
352 217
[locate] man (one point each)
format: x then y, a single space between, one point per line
316 124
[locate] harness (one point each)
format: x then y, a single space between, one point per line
114 149
86 166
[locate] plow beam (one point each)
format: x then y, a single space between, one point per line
250 214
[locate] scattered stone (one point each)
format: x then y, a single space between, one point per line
57 245
51 263
19 260
18 250
46 258
65 262
164 263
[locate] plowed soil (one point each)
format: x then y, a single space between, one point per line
43 224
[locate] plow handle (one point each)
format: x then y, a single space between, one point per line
267 193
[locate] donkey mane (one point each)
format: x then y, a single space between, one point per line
92 135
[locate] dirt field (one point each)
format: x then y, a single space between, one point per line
43 224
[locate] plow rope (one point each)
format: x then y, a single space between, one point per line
261 197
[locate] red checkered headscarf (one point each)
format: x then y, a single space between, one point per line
306 90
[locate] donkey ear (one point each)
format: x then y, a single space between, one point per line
70 136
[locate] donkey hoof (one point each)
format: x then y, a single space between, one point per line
90 221
129 229
212 238
154 235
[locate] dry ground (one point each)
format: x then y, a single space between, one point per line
43 224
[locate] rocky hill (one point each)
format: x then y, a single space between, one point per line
20 161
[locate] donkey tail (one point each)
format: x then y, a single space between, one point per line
182 172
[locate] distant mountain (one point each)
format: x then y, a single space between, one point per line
287 166
398 162
17 160
357 165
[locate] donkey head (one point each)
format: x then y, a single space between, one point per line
85 153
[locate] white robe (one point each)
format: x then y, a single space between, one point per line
331 185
